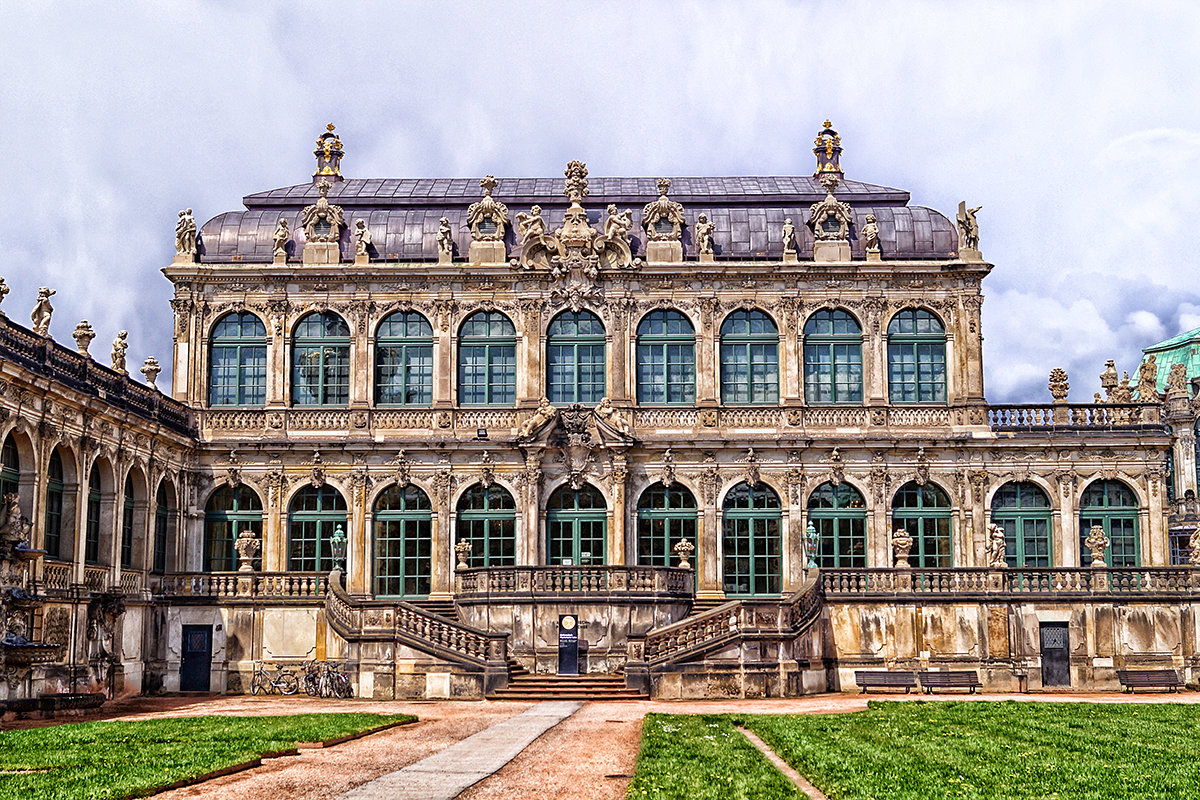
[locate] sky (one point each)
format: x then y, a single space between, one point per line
1074 124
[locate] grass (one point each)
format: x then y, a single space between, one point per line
120 759
922 750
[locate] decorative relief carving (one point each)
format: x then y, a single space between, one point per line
487 218
663 218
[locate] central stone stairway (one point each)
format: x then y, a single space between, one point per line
594 686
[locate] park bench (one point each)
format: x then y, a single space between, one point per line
964 679
885 679
1148 679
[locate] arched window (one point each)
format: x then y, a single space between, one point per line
404 360
1113 506
321 361
230 510
91 542
127 524
666 358
916 357
237 361
313 517
832 358
749 358
162 519
752 540
10 467
924 512
575 358
487 360
54 507
576 526
1023 510
403 542
664 516
839 516
487 518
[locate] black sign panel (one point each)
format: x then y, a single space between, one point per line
568 644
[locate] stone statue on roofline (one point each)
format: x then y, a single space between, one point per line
185 234
531 224
870 234
362 241
3 293
1194 548
280 239
119 346
42 311
968 230
704 235
1147 387
789 237
618 225
445 241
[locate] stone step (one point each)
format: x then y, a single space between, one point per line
561 687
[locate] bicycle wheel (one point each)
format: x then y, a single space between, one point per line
258 683
287 682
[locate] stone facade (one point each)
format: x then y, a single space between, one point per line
821 394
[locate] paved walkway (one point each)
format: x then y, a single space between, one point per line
444 775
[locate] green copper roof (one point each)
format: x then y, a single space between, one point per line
1181 349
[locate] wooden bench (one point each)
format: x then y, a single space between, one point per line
965 679
1149 679
885 679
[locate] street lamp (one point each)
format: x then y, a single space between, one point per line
338 544
810 544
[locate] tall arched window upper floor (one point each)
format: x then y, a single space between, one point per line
404 360
237 361
833 365
321 360
487 360
10 467
916 351
749 358
666 359
575 358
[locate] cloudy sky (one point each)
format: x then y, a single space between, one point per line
1075 125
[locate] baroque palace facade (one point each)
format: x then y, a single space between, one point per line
736 425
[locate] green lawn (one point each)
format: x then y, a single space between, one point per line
130 759
920 750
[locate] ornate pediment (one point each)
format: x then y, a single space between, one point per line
830 218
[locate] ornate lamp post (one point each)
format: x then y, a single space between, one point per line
338 543
810 544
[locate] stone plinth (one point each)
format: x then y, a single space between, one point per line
185 258
487 253
666 252
874 255
969 254
280 258
322 253
362 259
445 257
790 257
705 258
831 251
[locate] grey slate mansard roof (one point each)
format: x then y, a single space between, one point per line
403 215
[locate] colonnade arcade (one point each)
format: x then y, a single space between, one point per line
750 541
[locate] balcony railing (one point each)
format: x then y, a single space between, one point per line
1052 582
274 585
491 582
1087 416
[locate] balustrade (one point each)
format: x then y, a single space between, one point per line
131 581
550 580
95 578
275 585
843 583
1096 416
56 577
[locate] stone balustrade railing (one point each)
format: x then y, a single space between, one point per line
390 620
274 585
1089 416
490 582
132 581
1124 581
57 577
95 578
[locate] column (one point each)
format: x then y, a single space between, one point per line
707 379
443 372
708 568
616 529
358 554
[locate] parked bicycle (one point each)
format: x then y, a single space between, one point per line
325 679
272 679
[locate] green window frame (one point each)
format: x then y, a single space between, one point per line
10 467
321 360
839 516
404 360
127 506
666 359
576 524
313 516
487 518
1113 506
1023 510
833 366
230 510
237 361
665 515
487 360
55 487
916 357
91 541
752 541
925 513
403 531
575 358
749 358
162 521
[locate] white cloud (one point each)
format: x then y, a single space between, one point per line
1065 120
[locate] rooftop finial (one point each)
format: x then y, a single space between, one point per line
828 149
575 187
329 156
